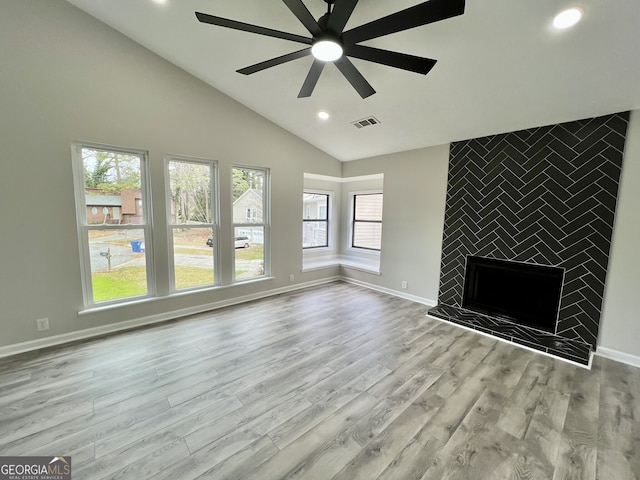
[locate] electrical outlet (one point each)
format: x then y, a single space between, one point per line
404 284
291 277
42 324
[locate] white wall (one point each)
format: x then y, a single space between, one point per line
65 77
415 187
620 324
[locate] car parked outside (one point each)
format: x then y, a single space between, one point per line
240 242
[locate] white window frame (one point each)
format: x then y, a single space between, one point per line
214 225
266 223
329 221
84 227
352 222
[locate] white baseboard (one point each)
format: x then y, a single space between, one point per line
389 291
151 319
622 357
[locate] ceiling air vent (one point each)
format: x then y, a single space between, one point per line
365 122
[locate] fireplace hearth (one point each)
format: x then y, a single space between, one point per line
567 349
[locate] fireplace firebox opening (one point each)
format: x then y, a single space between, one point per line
523 293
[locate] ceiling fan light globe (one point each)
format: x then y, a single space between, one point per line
567 18
326 50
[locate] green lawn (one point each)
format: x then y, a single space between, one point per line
254 252
132 281
119 283
193 277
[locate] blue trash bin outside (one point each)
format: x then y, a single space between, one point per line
136 246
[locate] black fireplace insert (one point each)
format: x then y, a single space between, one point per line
523 293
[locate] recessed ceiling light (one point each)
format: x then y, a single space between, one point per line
323 115
326 50
160 2
567 18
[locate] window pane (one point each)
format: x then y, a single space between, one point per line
249 252
190 185
118 263
314 234
368 207
112 182
367 235
193 257
248 195
315 206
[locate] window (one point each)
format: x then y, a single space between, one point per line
315 220
192 212
250 222
367 221
113 229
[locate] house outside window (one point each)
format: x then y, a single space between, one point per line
366 228
193 222
252 213
114 233
315 220
251 222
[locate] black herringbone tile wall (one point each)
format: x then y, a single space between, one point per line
545 195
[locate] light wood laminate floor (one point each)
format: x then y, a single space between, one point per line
334 382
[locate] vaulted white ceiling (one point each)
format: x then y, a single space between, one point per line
501 67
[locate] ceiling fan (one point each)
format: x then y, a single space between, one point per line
330 44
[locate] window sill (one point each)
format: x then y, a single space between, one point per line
139 301
319 263
362 264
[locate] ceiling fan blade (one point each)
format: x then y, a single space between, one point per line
354 77
392 59
422 14
274 61
247 27
340 15
312 78
305 17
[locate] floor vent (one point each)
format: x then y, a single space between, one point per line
365 122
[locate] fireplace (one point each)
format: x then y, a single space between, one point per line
541 196
523 293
